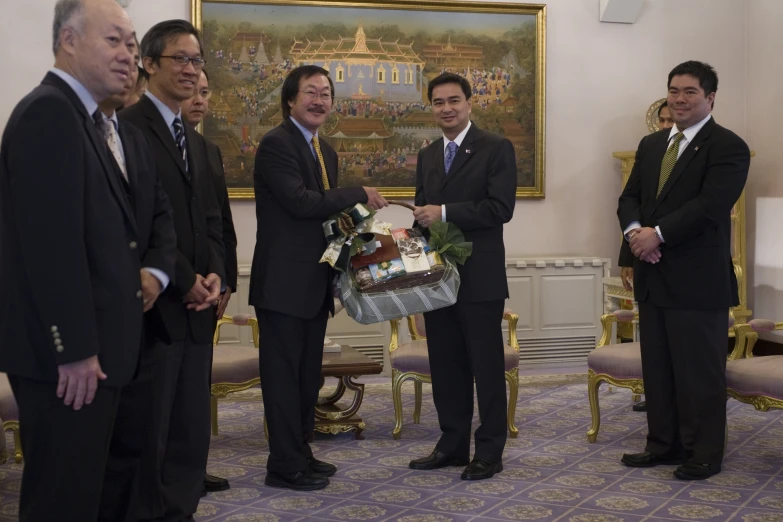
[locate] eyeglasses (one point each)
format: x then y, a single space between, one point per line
205 93
325 96
198 63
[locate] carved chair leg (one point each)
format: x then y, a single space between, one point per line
397 380
417 402
3 452
213 414
18 456
512 378
636 397
593 383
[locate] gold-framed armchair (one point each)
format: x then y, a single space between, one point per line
234 367
9 413
410 361
755 380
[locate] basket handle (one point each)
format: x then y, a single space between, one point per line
401 203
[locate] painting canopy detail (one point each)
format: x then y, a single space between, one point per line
380 57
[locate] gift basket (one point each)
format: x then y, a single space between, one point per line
389 273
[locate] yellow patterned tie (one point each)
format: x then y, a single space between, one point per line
669 159
317 148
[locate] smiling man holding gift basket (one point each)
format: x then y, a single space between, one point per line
469 177
295 178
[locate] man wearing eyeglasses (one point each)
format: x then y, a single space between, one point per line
295 182
193 112
178 443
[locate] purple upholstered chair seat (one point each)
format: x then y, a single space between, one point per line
756 376
412 357
234 364
621 361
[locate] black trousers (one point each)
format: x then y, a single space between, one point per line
465 342
290 358
65 451
684 369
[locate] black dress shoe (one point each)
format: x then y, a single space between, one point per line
437 460
646 459
320 467
213 483
481 469
299 481
640 406
692 471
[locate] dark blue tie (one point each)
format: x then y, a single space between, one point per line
451 151
179 137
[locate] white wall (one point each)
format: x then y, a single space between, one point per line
600 80
765 191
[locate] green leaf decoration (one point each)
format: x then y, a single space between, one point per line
448 240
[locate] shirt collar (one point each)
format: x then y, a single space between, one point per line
168 115
307 134
81 91
459 138
690 132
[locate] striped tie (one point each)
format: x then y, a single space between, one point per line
317 147
179 137
669 159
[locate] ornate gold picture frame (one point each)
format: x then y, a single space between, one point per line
380 55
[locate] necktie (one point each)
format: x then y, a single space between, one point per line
179 137
321 162
669 159
451 151
106 128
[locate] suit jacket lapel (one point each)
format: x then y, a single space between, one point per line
306 151
684 159
130 157
464 153
159 128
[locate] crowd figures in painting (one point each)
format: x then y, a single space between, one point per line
380 118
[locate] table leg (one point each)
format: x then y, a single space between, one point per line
335 396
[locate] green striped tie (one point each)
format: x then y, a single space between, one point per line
669 159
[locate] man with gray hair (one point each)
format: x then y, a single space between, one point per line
70 268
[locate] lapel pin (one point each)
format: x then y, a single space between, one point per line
695 148
467 151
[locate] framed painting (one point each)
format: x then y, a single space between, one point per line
380 56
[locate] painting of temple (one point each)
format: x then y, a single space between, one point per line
363 68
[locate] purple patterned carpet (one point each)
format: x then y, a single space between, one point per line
551 472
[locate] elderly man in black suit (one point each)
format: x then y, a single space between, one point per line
78 271
178 446
468 177
296 190
675 212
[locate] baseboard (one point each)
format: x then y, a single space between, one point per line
764 347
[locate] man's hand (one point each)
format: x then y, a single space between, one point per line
223 302
78 381
374 199
626 274
653 257
644 242
427 215
150 289
196 298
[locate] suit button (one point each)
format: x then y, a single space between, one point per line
56 335
60 348
138 294
196 231
133 245
54 328
58 342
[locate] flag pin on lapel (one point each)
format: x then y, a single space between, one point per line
467 151
695 148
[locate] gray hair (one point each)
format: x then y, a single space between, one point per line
65 13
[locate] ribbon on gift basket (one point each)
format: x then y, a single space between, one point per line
348 231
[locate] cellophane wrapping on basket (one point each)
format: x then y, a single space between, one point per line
369 291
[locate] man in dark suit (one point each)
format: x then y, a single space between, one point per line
295 186
133 159
675 212
193 112
665 121
468 177
72 313
177 452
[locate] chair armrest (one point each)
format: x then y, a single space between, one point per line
511 318
394 340
747 334
607 320
237 320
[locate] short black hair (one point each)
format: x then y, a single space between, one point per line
664 104
154 42
708 78
449 78
205 74
291 84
